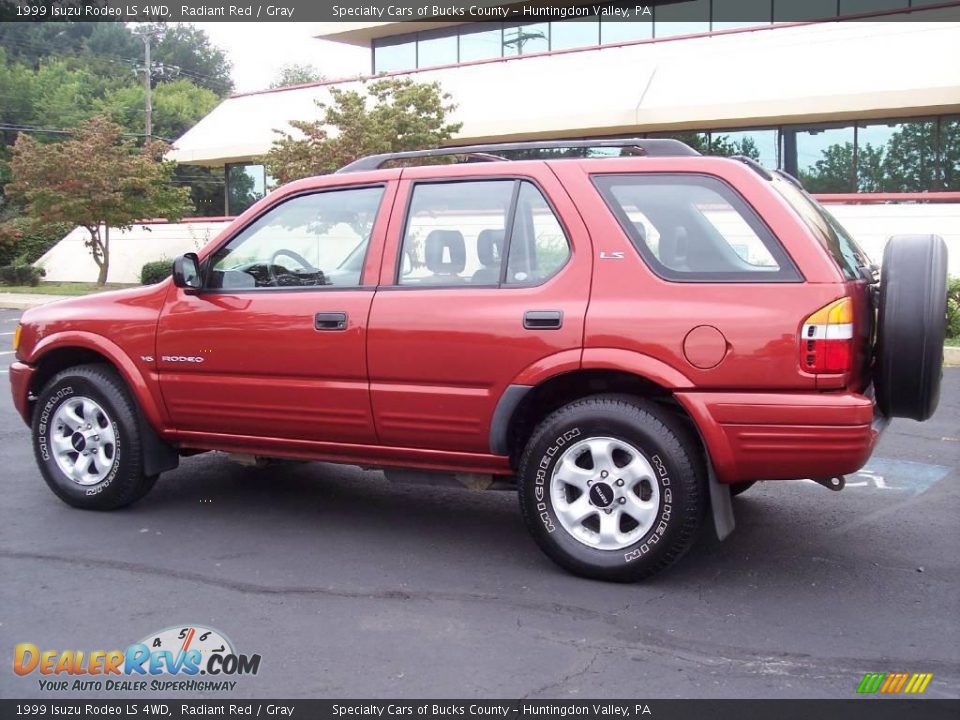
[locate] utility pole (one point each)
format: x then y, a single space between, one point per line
146 34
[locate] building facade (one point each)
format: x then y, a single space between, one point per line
858 98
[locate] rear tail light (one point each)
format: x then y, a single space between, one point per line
826 341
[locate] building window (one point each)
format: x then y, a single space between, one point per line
523 39
897 157
729 14
681 18
760 145
950 153
699 141
481 41
436 48
824 158
855 7
791 10
634 27
574 33
394 54
246 183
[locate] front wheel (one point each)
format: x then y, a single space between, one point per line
612 487
86 439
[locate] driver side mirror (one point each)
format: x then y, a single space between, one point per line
186 272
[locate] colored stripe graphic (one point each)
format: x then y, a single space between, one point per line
894 683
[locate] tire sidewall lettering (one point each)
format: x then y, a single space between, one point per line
542 477
43 422
544 508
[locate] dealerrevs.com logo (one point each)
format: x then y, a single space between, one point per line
173 659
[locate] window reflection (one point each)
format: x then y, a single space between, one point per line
950 153
480 41
760 145
825 159
436 48
523 39
392 55
894 157
635 27
246 183
574 33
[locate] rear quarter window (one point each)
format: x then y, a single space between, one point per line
695 228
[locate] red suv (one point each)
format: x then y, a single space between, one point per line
628 339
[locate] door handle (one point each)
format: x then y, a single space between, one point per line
330 321
543 319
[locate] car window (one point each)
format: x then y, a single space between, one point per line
695 228
457 234
849 256
311 240
538 246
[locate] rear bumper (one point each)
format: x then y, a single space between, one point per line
20 377
781 436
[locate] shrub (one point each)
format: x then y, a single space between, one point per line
21 274
23 241
156 271
953 308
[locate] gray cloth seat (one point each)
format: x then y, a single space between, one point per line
445 253
490 254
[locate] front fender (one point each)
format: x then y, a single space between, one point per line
146 390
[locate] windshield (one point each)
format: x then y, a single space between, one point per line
831 234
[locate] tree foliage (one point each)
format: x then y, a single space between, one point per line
394 114
297 74
96 179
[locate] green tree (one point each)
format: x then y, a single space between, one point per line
296 74
186 51
177 106
96 179
395 114
833 172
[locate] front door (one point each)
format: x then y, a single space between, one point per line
481 280
274 346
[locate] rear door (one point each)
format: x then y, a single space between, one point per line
483 277
274 346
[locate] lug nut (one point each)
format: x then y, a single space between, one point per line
589 483
608 511
621 500
604 473
619 483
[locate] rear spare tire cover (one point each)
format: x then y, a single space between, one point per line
911 325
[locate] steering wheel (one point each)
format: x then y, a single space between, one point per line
300 259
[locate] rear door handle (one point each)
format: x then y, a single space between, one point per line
543 319
330 321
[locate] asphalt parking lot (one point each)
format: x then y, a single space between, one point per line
348 586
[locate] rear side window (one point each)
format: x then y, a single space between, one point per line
695 228
481 233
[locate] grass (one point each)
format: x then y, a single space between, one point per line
62 288
952 342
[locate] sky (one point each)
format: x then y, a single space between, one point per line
259 50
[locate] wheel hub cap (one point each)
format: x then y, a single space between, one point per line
83 441
601 494
605 493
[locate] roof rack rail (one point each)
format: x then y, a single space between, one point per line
753 165
659 147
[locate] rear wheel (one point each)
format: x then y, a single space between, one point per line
87 441
911 326
612 487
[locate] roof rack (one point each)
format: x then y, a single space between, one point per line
660 147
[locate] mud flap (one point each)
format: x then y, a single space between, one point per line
720 504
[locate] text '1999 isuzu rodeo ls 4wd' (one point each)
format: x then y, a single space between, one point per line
629 338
